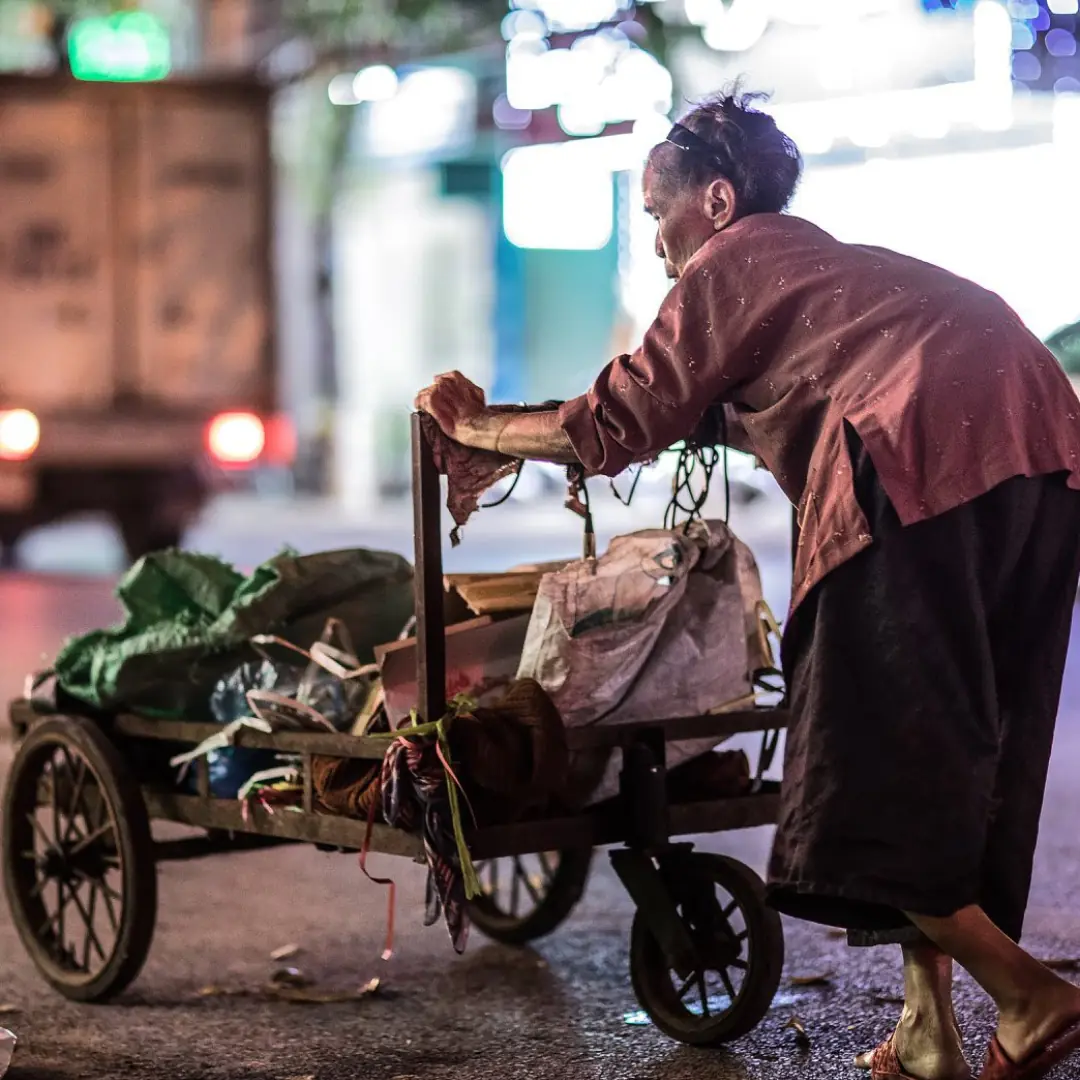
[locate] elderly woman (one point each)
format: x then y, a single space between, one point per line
932 448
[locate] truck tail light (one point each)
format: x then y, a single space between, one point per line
20 434
280 441
236 438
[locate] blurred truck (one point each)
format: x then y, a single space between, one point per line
137 364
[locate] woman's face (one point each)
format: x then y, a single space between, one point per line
685 216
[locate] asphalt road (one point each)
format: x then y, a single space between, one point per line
556 1012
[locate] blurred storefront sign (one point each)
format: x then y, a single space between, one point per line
127 46
869 74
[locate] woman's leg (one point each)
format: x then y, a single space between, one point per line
1034 1004
927 1039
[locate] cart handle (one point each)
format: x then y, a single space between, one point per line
428 577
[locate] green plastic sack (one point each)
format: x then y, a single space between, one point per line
190 619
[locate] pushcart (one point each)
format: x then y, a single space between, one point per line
80 859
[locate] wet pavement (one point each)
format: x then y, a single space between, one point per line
555 1012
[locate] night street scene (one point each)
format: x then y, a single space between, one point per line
539 539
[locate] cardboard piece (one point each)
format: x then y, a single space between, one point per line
482 658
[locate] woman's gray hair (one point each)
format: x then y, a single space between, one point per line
762 163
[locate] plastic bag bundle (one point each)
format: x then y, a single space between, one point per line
665 624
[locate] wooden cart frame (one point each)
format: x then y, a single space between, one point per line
698 914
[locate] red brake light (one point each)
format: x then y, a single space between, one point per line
236 438
20 434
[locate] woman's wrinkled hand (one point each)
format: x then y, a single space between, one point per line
457 405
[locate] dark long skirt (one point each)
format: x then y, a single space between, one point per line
924 678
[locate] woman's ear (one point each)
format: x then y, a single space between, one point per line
720 202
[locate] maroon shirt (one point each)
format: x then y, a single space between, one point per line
798 333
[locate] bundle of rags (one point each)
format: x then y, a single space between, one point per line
471 472
508 760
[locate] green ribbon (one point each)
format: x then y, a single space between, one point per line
459 706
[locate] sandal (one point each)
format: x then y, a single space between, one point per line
999 1066
885 1064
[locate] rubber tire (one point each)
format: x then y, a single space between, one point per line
125 802
567 887
650 977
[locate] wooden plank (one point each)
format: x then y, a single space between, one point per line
493 594
430 621
326 829
607 825
334 744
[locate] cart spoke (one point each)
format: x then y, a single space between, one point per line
60 905
91 937
91 905
91 838
519 869
730 909
57 916
687 986
39 829
493 877
704 991
105 893
54 799
102 885
739 965
76 796
729 986
546 867
515 888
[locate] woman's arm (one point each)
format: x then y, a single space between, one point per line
459 408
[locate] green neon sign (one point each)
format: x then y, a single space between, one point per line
128 46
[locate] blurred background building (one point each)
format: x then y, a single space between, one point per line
458 184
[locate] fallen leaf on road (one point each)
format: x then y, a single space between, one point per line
286 952
7 1010
310 1076
800 1031
812 980
1063 963
888 999
835 931
222 991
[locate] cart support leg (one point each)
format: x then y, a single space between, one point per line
643 881
643 790
427 537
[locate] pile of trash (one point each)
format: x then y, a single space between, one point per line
666 623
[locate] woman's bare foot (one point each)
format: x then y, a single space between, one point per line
927 1050
1029 1025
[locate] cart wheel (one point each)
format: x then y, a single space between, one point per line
78 860
740 955
527 896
